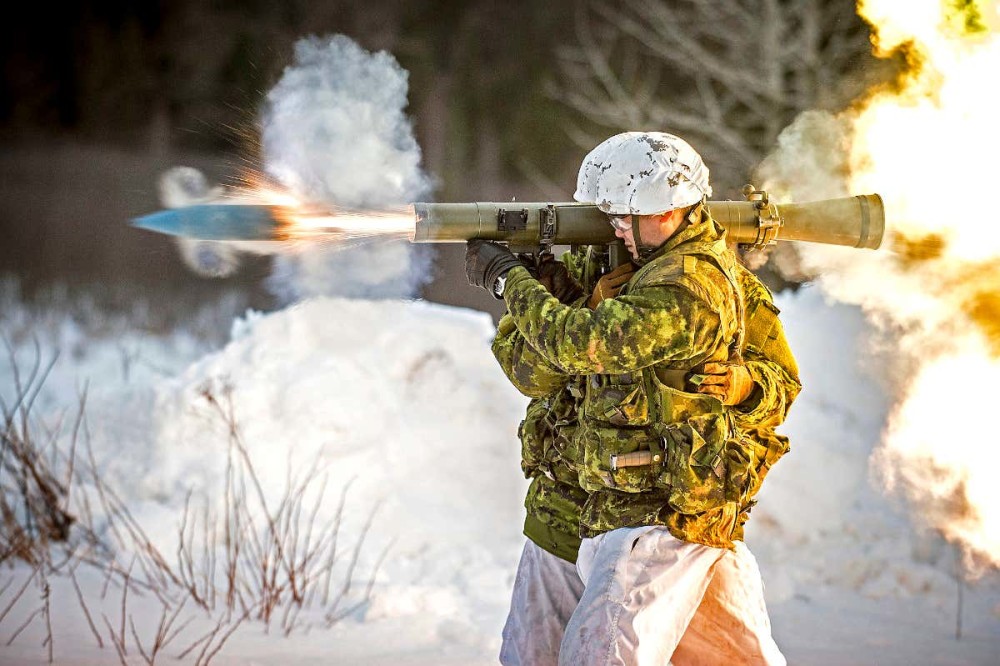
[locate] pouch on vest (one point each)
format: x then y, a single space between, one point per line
618 422
547 434
536 438
694 430
742 481
532 441
695 465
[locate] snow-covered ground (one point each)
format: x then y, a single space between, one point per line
403 401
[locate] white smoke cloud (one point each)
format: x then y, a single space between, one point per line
811 159
374 269
186 186
335 132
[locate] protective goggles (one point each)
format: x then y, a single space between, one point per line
620 222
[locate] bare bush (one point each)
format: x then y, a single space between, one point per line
33 501
237 559
276 560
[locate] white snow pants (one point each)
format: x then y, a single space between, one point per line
649 598
547 590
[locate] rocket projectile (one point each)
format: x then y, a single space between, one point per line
217 222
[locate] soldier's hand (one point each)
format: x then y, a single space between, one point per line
730 383
486 262
554 276
609 285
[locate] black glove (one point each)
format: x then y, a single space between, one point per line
486 262
554 277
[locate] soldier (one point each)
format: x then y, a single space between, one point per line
664 476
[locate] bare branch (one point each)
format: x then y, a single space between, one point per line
731 73
17 596
116 641
38 611
86 611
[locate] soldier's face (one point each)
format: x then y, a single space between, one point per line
653 229
623 229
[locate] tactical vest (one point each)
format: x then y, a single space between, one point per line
645 431
547 433
547 436
763 340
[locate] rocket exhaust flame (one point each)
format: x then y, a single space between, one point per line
928 145
345 225
259 213
298 221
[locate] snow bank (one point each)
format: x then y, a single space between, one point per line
400 400
404 400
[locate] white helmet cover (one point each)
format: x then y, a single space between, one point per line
642 173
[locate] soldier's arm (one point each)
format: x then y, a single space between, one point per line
658 323
772 366
528 371
774 392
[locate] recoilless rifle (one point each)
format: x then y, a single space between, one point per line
534 228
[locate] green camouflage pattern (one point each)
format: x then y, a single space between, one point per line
683 308
548 455
772 366
767 357
527 370
555 500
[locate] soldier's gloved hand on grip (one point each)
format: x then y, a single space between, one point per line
730 383
609 285
554 276
486 262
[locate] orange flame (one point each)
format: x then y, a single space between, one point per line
301 221
929 147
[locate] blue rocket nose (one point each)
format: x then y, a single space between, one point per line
241 222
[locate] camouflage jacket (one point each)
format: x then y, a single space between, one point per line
769 360
683 308
554 501
548 454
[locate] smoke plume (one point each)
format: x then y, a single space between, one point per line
934 292
335 136
186 186
335 132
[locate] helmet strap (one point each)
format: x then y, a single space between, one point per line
647 253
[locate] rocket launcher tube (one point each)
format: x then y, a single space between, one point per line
851 221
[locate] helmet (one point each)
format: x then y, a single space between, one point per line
642 173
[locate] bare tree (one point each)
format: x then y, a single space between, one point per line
727 74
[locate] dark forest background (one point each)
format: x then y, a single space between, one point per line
98 97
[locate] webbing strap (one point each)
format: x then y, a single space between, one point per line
715 251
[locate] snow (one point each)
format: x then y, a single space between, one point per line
403 401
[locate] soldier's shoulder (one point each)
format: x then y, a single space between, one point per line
663 270
699 273
754 291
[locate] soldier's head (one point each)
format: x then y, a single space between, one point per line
646 182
